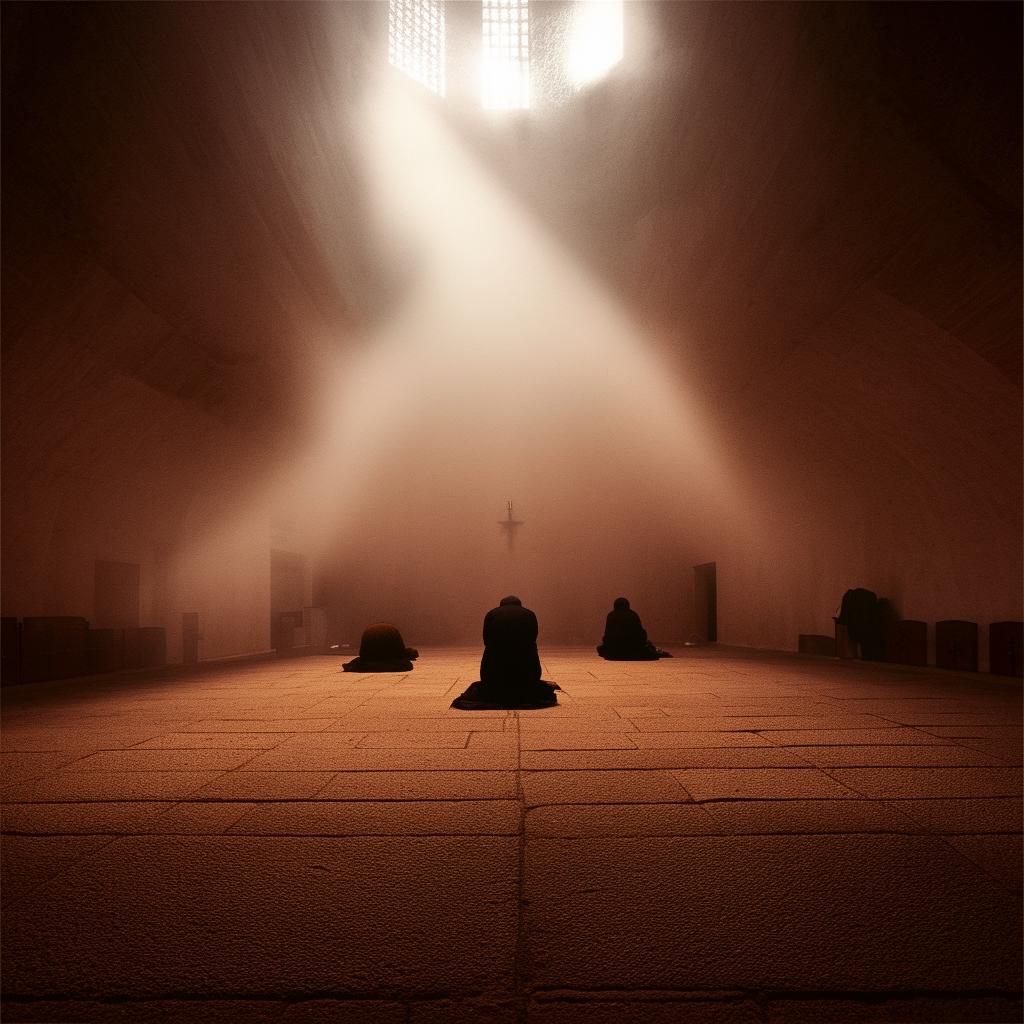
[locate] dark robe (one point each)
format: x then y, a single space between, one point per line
510 667
625 638
382 649
864 617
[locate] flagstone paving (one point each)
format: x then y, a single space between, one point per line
725 837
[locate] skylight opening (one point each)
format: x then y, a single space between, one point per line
416 40
506 55
595 40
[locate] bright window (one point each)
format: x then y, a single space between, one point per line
506 54
595 41
416 40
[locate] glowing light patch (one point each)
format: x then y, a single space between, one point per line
595 40
500 367
505 65
416 41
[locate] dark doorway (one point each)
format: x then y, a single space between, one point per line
190 638
705 593
116 596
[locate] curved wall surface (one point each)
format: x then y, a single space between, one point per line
809 214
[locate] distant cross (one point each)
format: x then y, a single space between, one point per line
510 524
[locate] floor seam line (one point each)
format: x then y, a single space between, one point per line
520 992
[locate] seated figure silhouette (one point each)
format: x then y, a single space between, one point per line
625 638
865 619
510 667
382 649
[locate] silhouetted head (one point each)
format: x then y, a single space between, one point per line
621 604
510 600
381 642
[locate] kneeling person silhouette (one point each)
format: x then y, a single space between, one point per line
382 649
510 667
625 638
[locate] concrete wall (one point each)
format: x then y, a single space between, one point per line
888 460
811 212
827 245
164 309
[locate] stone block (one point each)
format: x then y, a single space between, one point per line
811 643
105 650
1005 641
145 647
956 645
767 912
216 916
53 647
908 643
10 651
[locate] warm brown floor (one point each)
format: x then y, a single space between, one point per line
718 838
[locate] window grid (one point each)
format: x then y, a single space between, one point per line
506 63
416 40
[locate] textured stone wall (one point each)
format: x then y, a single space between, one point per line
810 212
813 209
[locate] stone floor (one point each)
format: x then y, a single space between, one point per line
725 837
